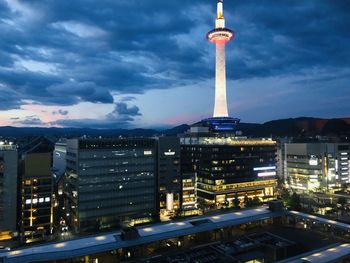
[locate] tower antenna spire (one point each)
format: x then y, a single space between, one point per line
220 35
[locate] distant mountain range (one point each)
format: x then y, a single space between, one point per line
303 126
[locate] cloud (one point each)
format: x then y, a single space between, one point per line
122 109
121 117
9 99
127 98
60 112
30 121
79 29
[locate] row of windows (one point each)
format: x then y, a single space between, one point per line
117 194
116 210
115 179
38 200
115 187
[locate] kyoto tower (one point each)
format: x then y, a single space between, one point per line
220 35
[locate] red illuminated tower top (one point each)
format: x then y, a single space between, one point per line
220 34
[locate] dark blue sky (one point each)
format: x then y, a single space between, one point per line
107 63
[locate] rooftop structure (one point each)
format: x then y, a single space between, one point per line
334 253
147 234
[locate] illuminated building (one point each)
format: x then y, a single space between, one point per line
110 183
312 166
59 159
189 194
220 36
229 167
8 190
36 219
169 175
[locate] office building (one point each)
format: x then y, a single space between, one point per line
36 213
8 190
169 175
229 167
280 158
316 166
110 183
59 164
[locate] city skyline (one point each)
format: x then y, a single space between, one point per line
153 67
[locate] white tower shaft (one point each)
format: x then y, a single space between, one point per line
220 106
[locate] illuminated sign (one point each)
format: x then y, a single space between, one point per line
313 162
169 153
265 174
264 168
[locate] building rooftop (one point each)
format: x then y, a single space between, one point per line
332 253
110 241
148 234
326 221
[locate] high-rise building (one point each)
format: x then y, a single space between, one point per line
110 183
169 174
220 35
8 190
313 166
36 219
59 159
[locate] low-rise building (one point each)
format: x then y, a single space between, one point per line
314 166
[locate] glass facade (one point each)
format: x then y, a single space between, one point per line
228 166
110 183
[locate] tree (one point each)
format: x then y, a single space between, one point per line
236 201
225 204
246 200
256 201
342 201
285 195
294 202
251 202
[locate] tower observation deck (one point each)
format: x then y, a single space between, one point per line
220 35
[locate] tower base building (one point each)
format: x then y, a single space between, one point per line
228 168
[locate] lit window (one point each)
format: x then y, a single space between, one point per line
47 199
